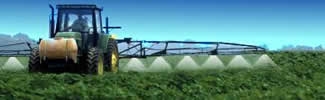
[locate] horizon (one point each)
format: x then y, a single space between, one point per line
275 23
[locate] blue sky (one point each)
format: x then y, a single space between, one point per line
272 22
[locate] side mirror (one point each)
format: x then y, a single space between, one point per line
107 27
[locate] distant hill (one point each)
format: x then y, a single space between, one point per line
17 38
301 48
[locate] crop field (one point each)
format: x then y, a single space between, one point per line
168 63
299 75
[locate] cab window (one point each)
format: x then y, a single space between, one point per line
75 20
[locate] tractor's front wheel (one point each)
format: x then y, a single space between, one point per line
34 64
94 62
112 57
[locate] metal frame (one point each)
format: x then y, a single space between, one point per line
16 52
141 51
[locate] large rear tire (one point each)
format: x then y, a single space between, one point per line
94 62
112 57
34 64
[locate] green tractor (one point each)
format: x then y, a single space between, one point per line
77 43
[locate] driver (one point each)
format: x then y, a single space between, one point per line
80 24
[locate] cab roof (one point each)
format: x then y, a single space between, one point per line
77 6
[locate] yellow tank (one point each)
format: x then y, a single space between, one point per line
59 48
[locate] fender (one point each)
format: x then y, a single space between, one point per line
103 40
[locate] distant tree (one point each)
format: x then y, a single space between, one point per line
189 40
264 46
304 48
287 47
300 48
319 48
187 45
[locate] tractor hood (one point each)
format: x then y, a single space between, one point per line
75 35
66 35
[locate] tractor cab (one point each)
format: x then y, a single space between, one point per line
81 22
79 18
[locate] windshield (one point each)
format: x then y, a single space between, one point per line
75 20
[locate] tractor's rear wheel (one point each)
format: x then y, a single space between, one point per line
94 62
34 64
112 57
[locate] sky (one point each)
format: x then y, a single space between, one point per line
257 22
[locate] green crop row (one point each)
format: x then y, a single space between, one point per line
300 76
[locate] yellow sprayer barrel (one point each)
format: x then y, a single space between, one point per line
59 48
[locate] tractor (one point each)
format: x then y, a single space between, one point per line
77 43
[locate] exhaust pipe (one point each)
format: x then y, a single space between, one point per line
52 22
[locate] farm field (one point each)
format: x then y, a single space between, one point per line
168 63
299 75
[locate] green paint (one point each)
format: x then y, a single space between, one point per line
75 35
102 42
